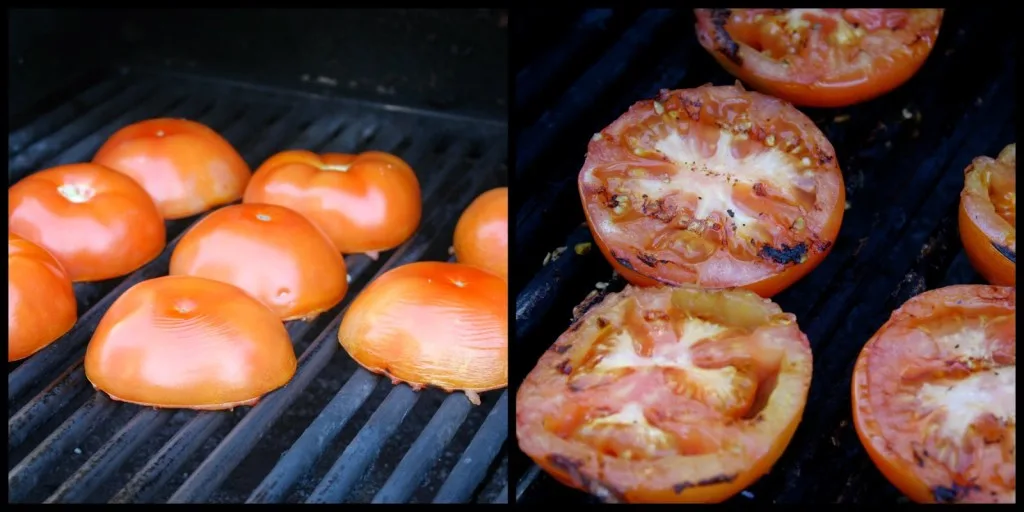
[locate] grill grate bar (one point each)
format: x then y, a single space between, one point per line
424 452
53 120
502 497
30 158
216 467
467 474
24 477
588 89
44 406
297 461
169 459
84 482
361 452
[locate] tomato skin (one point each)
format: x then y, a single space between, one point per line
271 252
432 324
98 223
680 371
366 203
988 235
481 236
187 342
780 177
41 304
185 166
898 41
929 337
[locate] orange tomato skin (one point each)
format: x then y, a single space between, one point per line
481 236
185 166
894 348
366 203
188 342
98 223
977 210
269 251
41 304
816 87
432 323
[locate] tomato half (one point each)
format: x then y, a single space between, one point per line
41 304
432 324
988 216
481 236
185 166
271 252
667 395
366 203
714 186
98 223
934 396
187 342
820 57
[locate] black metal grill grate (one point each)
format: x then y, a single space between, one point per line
902 156
335 432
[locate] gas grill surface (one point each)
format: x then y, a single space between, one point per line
902 157
335 433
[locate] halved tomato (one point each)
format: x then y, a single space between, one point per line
185 166
667 395
988 216
935 393
187 342
366 203
714 186
273 253
41 304
481 236
820 57
98 223
432 324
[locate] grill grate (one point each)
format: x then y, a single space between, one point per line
340 437
902 156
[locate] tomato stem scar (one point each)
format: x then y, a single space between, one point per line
76 193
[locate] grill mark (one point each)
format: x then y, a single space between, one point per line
724 42
603 490
1006 252
953 493
784 255
717 479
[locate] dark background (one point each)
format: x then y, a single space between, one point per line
450 60
902 156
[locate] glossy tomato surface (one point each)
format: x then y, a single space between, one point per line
271 252
667 395
988 216
432 324
714 186
98 223
481 236
366 203
41 305
185 166
820 57
188 342
934 396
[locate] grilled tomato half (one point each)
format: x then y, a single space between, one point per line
273 253
820 57
481 236
185 166
98 223
935 396
366 203
432 324
41 305
191 343
988 216
667 395
713 186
